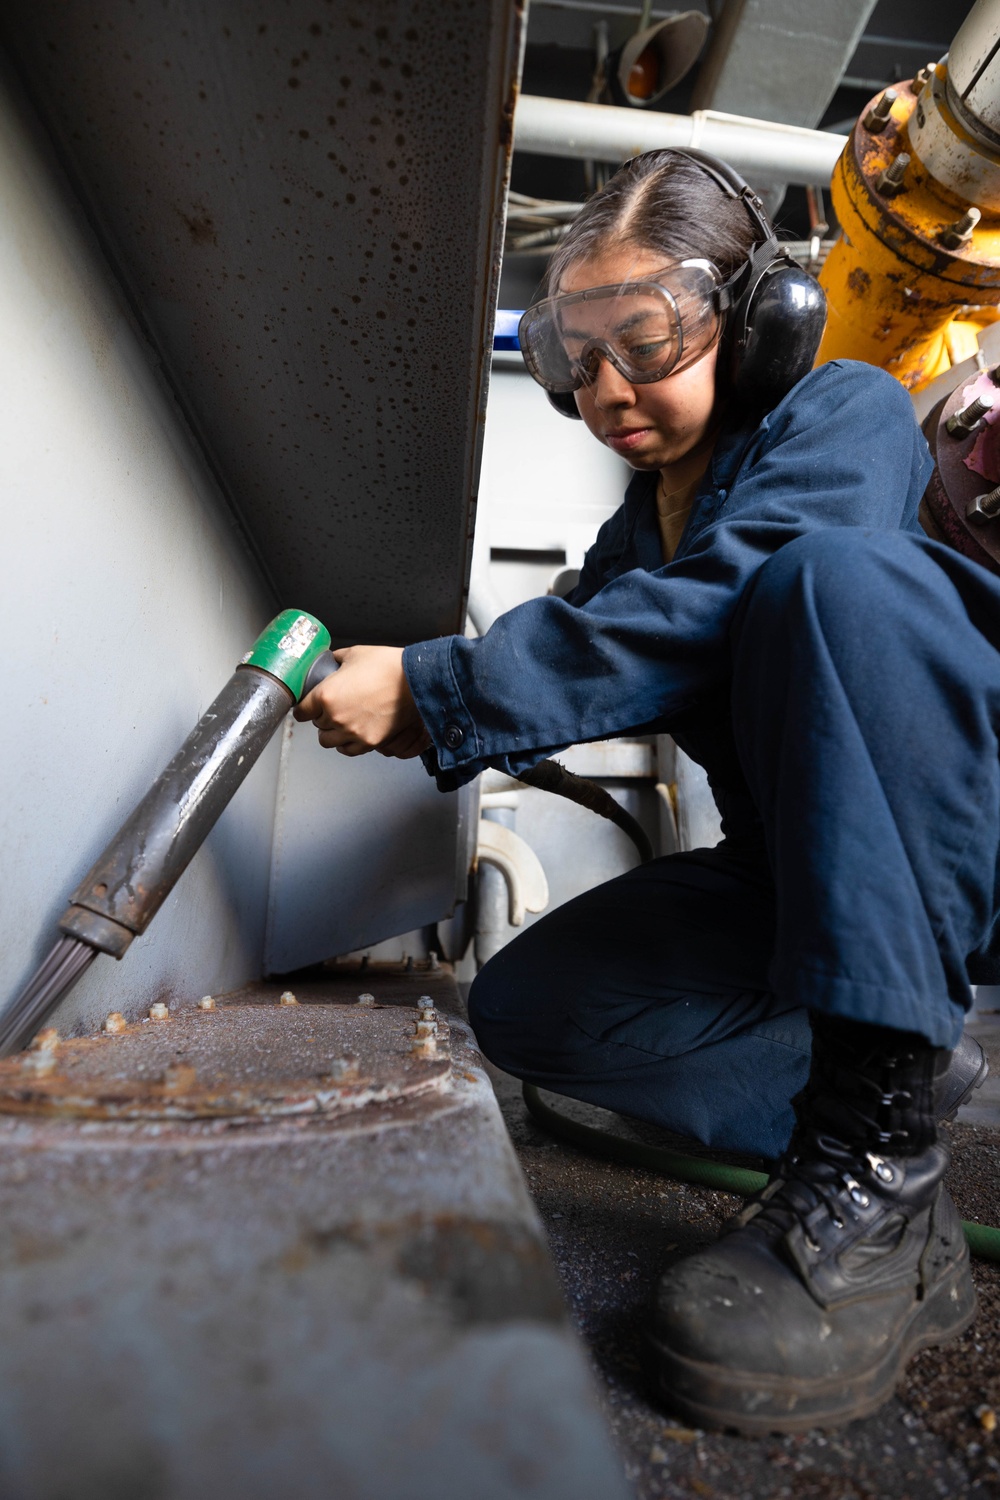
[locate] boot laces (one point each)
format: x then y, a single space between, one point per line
820 1170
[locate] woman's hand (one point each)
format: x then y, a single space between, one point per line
366 705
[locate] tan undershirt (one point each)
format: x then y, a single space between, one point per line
673 506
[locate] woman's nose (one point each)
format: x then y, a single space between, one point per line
610 387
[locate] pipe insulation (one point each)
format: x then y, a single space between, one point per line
602 132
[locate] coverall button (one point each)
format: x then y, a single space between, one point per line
453 736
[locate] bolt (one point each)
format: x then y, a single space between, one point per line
159 1012
40 1062
115 1024
923 74
877 117
47 1040
343 1069
424 1046
955 236
364 962
207 1002
366 999
426 1027
984 507
432 961
426 1007
968 419
408 962
287 998
891 181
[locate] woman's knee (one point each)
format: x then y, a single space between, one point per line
507 1009
834 565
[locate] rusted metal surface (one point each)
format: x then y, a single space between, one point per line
306 205
240 1062
955 483
359 1305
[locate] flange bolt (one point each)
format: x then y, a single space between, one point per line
366 998
159 1012
877 117
961 423
955 236
47 1040
891 182
287 998
984 508
115 1024
207 1002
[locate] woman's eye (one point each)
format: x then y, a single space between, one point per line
648 351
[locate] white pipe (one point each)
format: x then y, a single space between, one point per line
603 132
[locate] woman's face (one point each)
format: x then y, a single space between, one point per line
655 425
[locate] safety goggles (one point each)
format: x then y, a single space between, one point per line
646 329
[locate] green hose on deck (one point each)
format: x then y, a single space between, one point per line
983 1239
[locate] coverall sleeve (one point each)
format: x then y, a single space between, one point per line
843 449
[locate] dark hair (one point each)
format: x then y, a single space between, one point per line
664 202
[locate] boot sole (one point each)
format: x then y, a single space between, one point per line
710 1396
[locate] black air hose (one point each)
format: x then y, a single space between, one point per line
552 777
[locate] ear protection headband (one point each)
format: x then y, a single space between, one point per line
777 311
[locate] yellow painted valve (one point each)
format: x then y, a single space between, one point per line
917 193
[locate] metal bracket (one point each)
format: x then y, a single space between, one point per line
527 887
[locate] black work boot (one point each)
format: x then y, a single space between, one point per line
849 1261
967 1071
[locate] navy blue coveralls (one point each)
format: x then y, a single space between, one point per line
837 674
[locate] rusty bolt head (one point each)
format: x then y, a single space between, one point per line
287 998
159 1012
956 236
892 180
984 508
366 999
40 1062
877 117
207 1002
343 1069
47 1040
115 1024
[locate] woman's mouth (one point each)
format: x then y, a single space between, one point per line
623 439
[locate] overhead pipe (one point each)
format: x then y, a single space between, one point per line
603 132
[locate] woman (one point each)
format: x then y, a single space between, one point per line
765 595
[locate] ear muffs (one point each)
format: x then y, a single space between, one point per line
774 334
565 402
777 313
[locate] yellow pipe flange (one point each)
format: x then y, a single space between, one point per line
892 282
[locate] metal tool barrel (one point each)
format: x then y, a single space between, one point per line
127 885
125 888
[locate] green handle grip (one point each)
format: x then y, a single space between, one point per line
288 648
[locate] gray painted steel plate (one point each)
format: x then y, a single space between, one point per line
304 201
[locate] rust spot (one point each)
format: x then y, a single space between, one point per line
200 227
859 282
